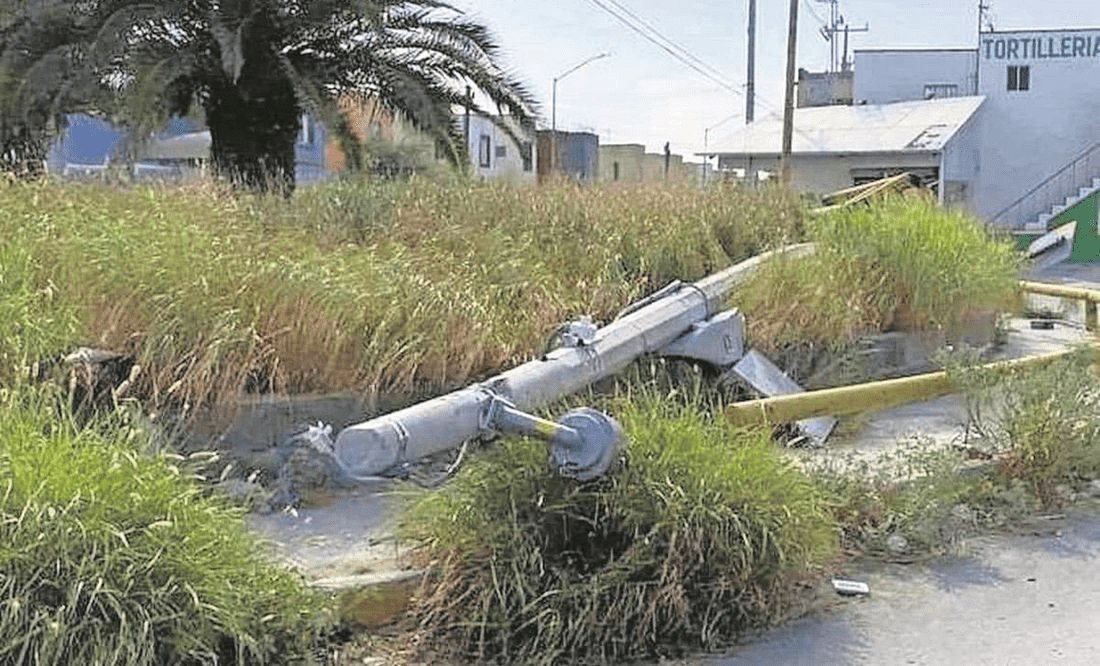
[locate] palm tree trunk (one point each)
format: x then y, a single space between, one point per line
253 127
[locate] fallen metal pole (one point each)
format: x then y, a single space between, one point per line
437 425
861 397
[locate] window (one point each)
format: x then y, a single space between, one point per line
1019 77
484 150
501 151
615 171
305 137
940 90
525 149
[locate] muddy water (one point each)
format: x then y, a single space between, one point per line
1029 598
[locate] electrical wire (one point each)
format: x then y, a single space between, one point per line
655 37
645 29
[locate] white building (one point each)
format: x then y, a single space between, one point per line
496 155
1006 129
884 76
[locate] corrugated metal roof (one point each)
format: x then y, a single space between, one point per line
904 127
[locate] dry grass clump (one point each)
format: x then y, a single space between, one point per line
394 288
698 537
902 264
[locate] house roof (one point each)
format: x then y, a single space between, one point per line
191 146
924 126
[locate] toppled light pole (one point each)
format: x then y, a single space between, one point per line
683 320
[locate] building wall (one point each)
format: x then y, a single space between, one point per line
629 163
884 76
578 155
89 145
622 163
495 155
961 164
824 88
826 173
822 174
1028 135
375 125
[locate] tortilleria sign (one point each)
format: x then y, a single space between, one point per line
1041 46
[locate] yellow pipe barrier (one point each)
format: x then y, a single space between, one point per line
861 397
1090 296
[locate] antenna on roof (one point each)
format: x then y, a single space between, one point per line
985 17
838 57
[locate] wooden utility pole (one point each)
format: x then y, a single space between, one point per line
750 78
788 106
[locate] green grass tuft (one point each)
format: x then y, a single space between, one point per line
112 556
696 539
900 264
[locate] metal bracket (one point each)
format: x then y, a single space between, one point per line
763 376
583 442
719 341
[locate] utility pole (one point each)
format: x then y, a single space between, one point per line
750 79
982 9
838 58
788 106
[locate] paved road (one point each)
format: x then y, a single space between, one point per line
1023 599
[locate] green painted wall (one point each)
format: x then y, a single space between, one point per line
1086 241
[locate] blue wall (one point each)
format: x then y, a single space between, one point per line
88 144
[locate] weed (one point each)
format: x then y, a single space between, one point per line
1041 424
903 264
696 538
402 288
109 556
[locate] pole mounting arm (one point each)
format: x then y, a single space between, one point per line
583 442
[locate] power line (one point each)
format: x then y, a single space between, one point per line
680 48
632 20
665 44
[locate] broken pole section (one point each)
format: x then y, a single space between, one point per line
682 320
862 397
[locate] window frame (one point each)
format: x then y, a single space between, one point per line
485 151
1019 78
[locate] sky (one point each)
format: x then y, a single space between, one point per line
642 94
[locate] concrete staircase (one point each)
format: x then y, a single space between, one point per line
1045 220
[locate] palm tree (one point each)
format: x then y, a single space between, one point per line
255 67
39 44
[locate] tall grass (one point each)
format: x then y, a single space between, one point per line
902 264
397 288
1041 425
696 538
35 324
112 556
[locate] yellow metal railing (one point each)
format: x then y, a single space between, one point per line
892 392
1090 297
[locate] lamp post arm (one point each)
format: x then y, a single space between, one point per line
554 106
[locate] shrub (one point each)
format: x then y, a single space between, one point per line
900 263
698 537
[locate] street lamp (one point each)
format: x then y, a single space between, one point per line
554 106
